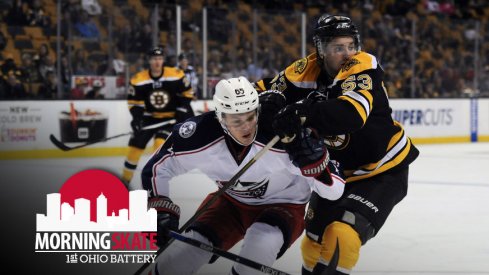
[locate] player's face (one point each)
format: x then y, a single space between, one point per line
242 126
156 63
336 53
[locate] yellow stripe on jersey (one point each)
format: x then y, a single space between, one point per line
261 86
172 72
369 97
169 74
163 114
393 157
304 72
188 93
140 77
135 102
359 107
360 62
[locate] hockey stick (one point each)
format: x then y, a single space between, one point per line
64 147
219 192
228 255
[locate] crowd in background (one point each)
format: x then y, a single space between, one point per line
446 57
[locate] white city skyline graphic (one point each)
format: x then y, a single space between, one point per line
64 217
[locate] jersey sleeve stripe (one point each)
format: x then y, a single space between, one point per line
393 157
361 109
361 99
188 93
305 84
368 96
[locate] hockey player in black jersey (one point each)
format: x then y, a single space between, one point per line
157 94
339 91
265 207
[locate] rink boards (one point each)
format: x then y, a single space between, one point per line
25 126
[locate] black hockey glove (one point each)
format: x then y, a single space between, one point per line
136 125
288 122
137 118
308 152
167 218
271 102
182 113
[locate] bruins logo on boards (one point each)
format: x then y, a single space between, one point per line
159 99
350 63
300 65
337 142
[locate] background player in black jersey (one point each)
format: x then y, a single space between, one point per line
339 91
155 95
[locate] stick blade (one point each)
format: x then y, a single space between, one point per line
58 143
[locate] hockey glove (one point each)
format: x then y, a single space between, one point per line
137 119
136 125
271 102
288 122
168 215
182 113
308 152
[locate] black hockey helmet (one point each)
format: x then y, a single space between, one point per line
330 26
182 56
156 51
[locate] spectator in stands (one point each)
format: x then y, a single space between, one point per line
9 65
86 28
3 41
42 53
45 65
142 38
17 16
30 71
92 7
79 91
95 92
13 87
80 63
119 64
36 15
49 89
66 73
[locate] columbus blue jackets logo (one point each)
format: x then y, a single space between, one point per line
187 129
247 189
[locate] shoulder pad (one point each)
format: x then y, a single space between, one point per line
173 72
196 132
303 72
360 62
140 78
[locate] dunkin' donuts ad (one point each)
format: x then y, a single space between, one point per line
87 125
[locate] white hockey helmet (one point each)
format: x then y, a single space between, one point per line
234 96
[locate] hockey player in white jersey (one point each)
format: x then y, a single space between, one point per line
265 207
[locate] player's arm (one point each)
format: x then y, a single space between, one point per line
330 184
308 152
350 111
156 175
345 114
135 102
161 168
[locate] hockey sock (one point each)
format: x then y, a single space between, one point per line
132 159
262 243
181 258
